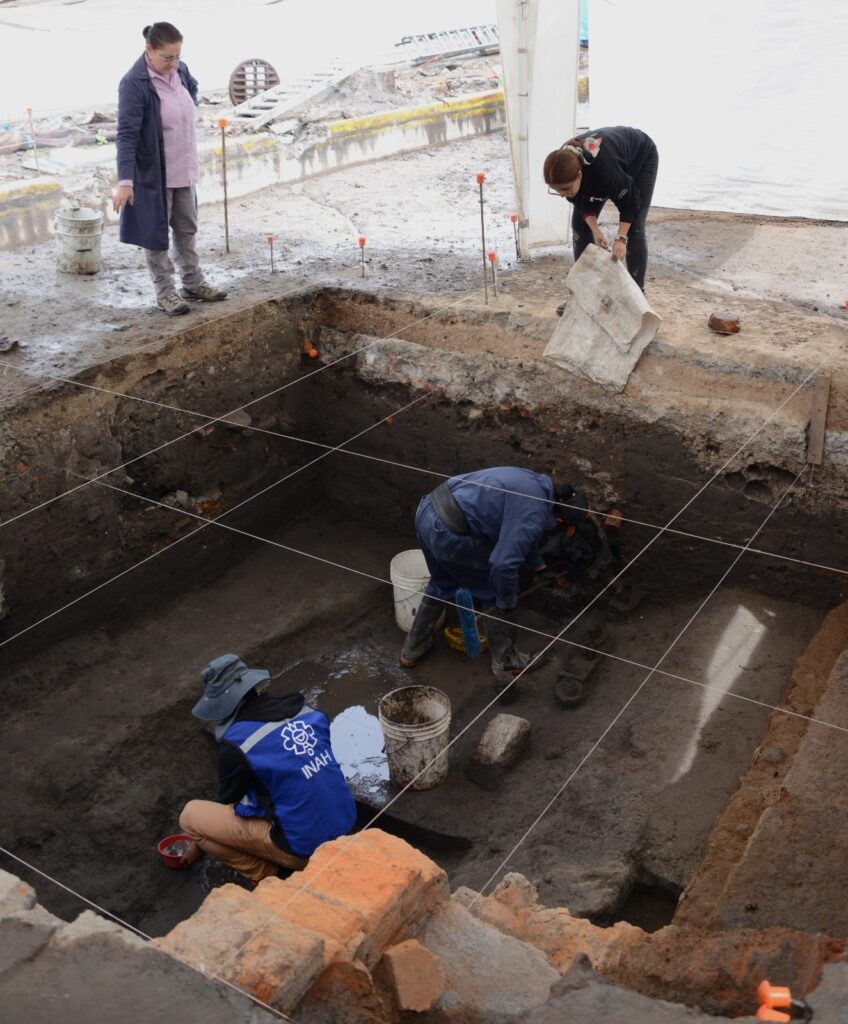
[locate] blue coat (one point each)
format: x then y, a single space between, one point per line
141 156
506 530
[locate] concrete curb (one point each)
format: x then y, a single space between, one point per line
257 161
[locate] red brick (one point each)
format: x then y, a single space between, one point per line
390 884
341 928
344 994
417 976
271 959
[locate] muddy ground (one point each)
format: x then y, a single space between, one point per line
420 215
95 780
100 750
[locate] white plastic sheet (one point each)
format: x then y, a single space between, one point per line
746 103
552 29
607 323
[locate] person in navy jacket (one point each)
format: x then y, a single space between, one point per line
616 164
281 791
479 531
158 168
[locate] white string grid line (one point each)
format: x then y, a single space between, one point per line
452 604
630 700
435 473
456 738
137 931
217 976
232 412
569 624
581 613
304 288
494 700
205 522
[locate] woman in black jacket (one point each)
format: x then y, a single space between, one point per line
619 164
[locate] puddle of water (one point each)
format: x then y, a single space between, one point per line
347 687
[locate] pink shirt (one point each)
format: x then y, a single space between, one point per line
178 129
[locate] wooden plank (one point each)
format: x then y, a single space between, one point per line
818 420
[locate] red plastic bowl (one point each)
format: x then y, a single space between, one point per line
172 860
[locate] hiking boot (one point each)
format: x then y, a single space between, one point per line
215 873
204 293
507 660
419 640
173 305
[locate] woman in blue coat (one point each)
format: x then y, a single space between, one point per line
158 168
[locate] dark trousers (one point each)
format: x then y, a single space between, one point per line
637 238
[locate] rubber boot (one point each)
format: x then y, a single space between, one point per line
419 639
507 660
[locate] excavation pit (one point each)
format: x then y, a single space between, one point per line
317 484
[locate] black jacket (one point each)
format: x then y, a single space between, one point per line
610 173
234 774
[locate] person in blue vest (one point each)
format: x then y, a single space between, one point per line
480 531
158 168
281 791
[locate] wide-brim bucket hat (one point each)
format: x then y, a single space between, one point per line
226 680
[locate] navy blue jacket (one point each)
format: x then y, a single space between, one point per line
292 778
611 172
141 156
506 530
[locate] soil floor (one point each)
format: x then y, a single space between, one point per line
100 750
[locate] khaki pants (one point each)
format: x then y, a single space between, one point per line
242 843
182 219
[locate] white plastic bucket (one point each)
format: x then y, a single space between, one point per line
415 721
78 233
409 575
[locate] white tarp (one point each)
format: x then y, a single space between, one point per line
607 323
746 102
551 29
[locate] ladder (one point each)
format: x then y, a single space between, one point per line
280 100
474 39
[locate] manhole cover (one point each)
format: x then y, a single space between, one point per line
250 78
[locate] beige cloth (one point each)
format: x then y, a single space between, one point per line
242 843
607 322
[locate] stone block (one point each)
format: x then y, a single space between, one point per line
93 970
23 934
346 993
391 885
25 927
416 975
489 976
243 939
502 744
15 895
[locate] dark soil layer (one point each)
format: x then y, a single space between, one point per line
99 750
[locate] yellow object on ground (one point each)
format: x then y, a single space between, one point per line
453 635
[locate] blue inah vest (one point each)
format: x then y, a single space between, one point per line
295 763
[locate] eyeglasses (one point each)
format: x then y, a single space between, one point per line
564 191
